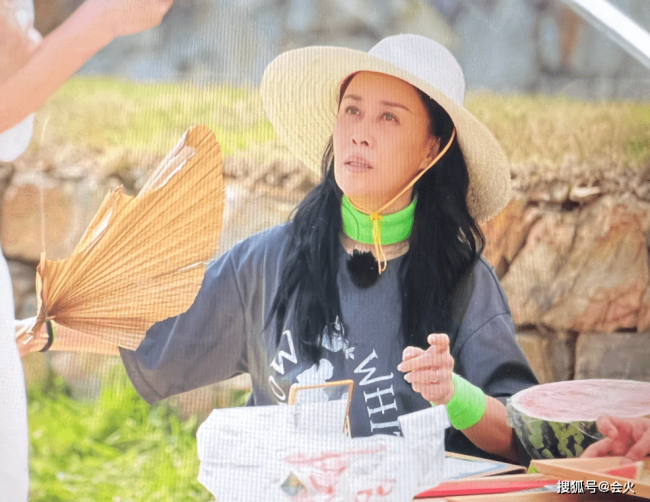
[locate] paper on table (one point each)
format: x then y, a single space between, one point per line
422 428
457 468
272 453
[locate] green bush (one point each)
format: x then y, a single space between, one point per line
114 449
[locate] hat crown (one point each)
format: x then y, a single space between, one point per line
426 60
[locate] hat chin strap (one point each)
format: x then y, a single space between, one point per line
376 216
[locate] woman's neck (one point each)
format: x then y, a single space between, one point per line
391 251
373 204
388 229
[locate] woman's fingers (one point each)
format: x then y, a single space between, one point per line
598 449
440 393
641 447
607 425
436 386
429 376
439 340
436 355
430 372
26 339
411 352
26 343
424 361
607 448
625 437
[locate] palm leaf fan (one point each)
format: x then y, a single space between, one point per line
142 259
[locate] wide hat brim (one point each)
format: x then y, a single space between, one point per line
300 91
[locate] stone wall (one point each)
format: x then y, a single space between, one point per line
502 45
573 260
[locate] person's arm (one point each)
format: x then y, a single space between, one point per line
91 27
484 352
624 437
208 343
16 43
66 339
430 373
492 432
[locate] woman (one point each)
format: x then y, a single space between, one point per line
378 277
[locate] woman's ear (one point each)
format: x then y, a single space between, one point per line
433 148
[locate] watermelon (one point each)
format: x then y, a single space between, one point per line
558 420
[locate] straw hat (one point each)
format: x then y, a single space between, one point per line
300 91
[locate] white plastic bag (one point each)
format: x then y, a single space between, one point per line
299 453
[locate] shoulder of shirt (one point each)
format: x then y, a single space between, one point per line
487 302
487 283
485 269
270 243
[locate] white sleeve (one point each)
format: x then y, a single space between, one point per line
15 141
14 446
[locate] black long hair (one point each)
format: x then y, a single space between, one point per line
444 243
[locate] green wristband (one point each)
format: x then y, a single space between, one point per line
468 404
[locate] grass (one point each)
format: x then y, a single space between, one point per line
548 130
114 449
104 114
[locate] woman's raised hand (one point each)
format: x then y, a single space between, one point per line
624 437
125 17
63 51
16 43
26 340
430 371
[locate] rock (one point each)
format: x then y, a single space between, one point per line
605 275
642 191
558 192
6 172
584 194
503 45
613 355
550 354
584 270
539 195
527 282
506 233
249 211
68 207
488 31
270 164
29 305
23 278
643 320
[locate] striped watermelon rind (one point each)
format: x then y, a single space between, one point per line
558 419
548 439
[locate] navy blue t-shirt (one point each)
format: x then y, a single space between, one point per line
223 334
